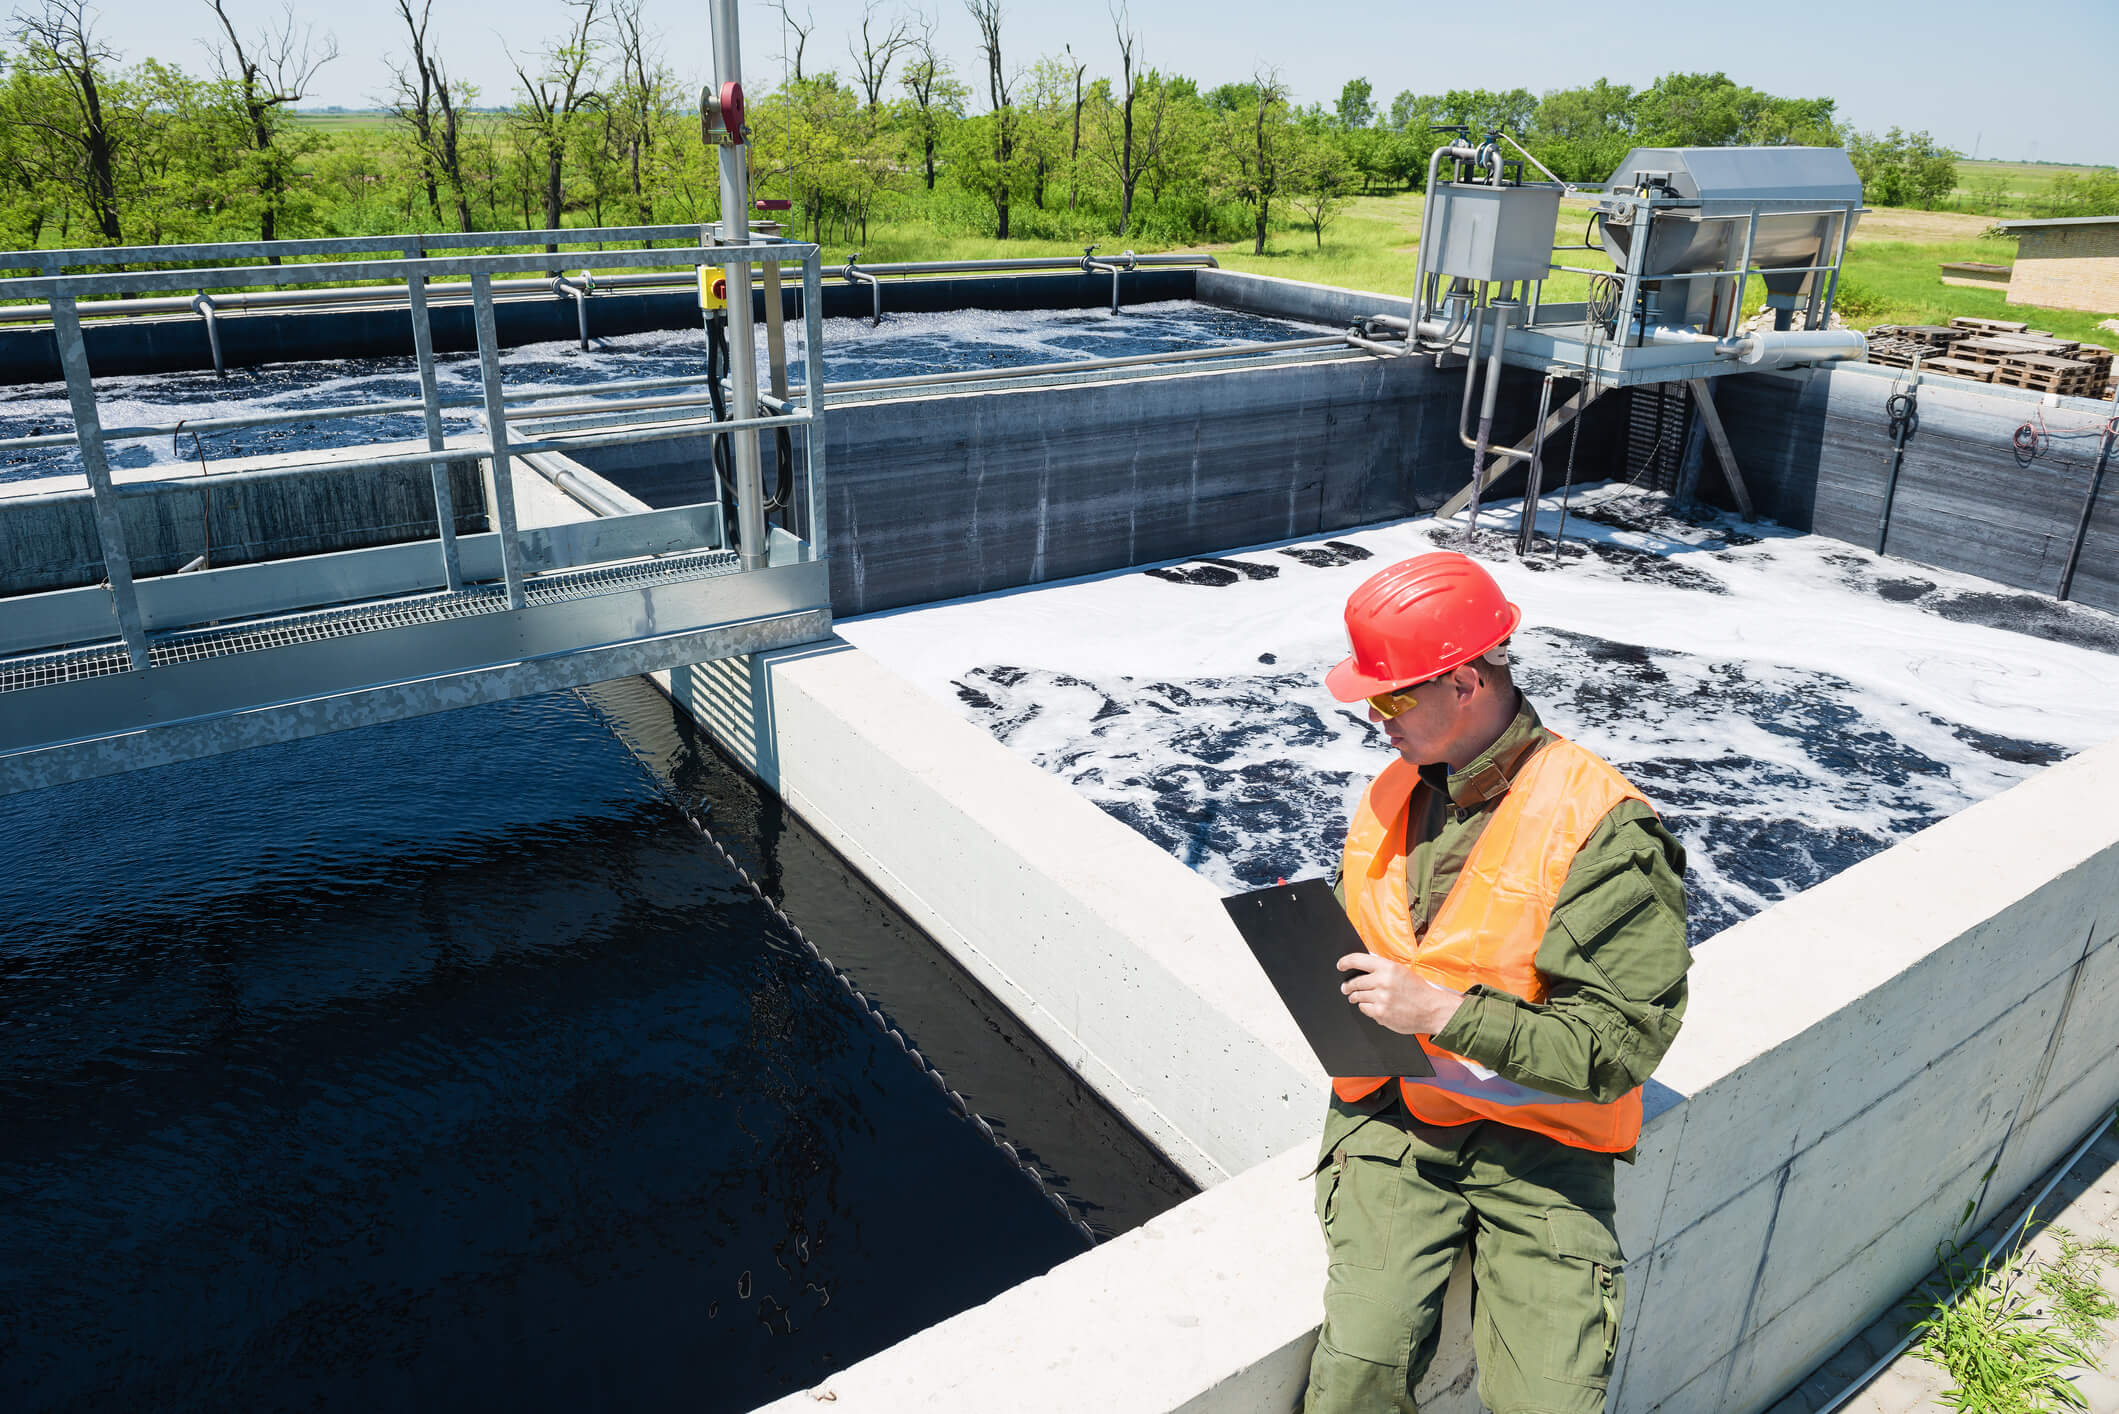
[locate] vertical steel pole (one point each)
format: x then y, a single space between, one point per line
110 525
1743 278
813 366
742 350
775 328
444 498
1846 229
1536 475
503 488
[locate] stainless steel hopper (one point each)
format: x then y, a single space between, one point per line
1704 200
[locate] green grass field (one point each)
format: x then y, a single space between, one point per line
1893 273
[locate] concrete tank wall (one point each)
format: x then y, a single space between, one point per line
1856 1062
53 544
1816 449
940 496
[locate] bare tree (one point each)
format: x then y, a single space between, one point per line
879 48
1074 153
934 88
62 43
986 14
274 72
448 137
796 33
412 100
564 86
644 90
1128 152
1260 155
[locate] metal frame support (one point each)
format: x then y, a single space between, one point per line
1536 475
430 405
1703 400
110 524
2089 504
500 488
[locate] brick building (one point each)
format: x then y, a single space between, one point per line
2069 263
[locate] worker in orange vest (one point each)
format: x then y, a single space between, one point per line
1524 915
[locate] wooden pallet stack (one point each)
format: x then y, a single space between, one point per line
1898 345
2018 356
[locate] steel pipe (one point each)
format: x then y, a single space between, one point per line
856 276
203 303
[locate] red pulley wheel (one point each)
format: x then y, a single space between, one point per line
732 109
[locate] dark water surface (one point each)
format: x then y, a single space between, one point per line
442 1065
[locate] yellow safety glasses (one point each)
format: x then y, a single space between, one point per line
1390 704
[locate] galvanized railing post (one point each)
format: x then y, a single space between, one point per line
500 494
813 368
430 397
110 524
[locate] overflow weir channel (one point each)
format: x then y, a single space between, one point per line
1815 1054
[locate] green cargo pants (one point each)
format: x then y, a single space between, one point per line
1398 1199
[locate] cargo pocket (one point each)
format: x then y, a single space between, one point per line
1359 1189
1589 1298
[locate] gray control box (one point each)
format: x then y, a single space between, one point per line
1494 233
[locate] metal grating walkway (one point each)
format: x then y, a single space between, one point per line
343 621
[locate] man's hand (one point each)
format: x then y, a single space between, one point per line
1393 994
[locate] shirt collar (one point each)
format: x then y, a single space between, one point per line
1488 775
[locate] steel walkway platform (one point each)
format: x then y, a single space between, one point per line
139 671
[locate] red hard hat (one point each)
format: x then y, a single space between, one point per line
1417 620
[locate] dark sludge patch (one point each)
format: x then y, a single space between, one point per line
1213 572
1647 567
2015 750
1244 567
1208 575
1329 555
2033 614
1895 590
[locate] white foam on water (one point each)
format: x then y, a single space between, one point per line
904 345
1790 703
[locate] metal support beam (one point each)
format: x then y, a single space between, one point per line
430 407
500 493
1703 400
1560 417
110 524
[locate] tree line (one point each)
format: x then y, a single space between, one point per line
599 129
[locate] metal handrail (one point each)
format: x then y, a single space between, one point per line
342 245
533 288
498 445
145 281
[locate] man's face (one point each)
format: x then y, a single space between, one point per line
1424 732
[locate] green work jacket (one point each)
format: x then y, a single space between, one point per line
1613 956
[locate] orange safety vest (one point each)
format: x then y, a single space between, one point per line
1487 931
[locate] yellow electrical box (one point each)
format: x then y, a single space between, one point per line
713 288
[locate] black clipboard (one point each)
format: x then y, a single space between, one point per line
1298 933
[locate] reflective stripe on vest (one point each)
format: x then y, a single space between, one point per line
1487 930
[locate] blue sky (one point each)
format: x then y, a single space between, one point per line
1958 69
